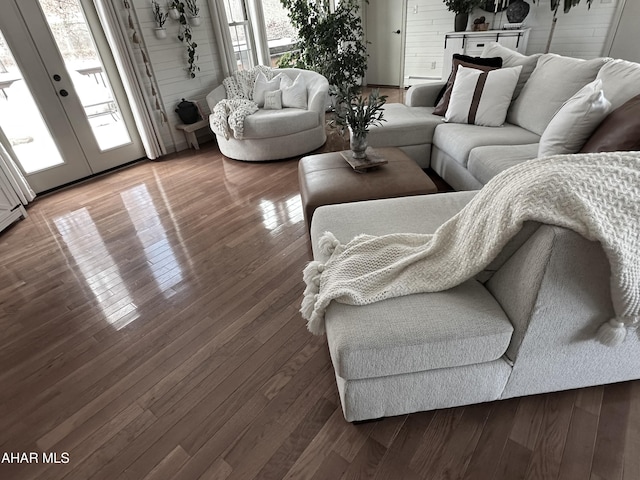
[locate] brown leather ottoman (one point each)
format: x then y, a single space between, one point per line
327 179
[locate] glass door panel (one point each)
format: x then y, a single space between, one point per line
20 118
73 38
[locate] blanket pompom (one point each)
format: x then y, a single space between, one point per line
612 333
315 324
328 243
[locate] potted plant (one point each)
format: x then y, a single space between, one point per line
174 10
185 36
462 9
193 10
160 18
357 113
330 42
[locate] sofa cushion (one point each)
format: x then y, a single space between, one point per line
620 81
487 162
570 128
484 64
404 126
275 123
511 58
482 98
619 131
461 326
554 81
458 140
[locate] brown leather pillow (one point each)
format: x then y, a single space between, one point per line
619 132
484 64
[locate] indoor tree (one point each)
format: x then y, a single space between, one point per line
330 42
566 7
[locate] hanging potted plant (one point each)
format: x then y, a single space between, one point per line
357 114
160 18
462 9
185 36
174 11
193 10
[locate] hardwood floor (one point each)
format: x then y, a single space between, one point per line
150 329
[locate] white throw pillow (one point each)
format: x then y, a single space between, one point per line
294 92
262 85
554 81
576 120
620 81
482 98
273 100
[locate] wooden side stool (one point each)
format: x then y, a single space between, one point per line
190 131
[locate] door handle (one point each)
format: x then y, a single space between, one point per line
63 93
397 31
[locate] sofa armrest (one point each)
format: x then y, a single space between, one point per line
215 96
423 95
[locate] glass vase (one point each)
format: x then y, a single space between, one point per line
358 144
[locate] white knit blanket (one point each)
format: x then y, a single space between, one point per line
228 115
595 195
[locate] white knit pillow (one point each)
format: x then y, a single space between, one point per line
482 98
273 100
576 120
263 85
294 92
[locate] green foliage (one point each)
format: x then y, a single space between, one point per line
355 111
159 16
330 43
185 36
462 6
192 7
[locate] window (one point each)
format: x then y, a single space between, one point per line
241 33
261 31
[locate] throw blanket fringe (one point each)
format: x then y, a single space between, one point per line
595 195
228 115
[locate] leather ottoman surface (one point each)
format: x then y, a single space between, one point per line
327 179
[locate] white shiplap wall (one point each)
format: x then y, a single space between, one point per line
168 59
580 33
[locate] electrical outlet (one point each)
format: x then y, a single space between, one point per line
433 65
415 9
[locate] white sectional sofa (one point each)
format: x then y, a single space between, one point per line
523 326
468 156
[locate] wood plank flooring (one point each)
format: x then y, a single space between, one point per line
150 331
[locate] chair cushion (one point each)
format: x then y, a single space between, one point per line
461 326
548 87
404 126
457 140
487 162
275 123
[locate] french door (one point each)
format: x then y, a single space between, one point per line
63 110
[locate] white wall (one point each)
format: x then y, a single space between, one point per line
580 33
626 36
168 58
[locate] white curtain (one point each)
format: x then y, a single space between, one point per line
17 181
142 104
223 37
